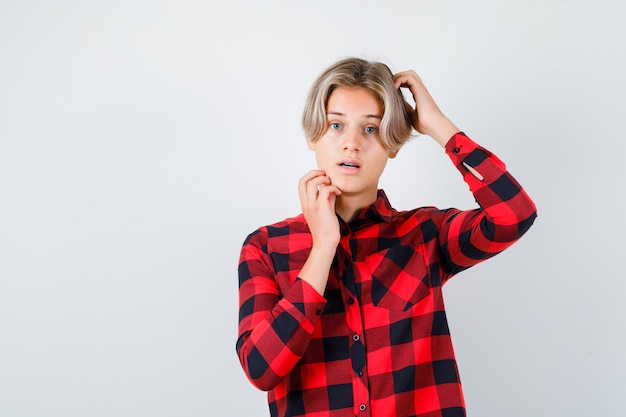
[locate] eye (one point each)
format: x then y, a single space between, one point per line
335 126
371 130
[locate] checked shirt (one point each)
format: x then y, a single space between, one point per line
377 343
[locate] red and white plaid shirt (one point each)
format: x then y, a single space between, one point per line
377 343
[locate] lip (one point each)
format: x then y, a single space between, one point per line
349 166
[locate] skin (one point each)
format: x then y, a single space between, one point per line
350 153
353 116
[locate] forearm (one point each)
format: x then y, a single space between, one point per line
317 267
506 212
441 130
273 339
277 317
498 193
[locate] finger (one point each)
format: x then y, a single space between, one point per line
327 192
309 187
409 86
399 81
404 79
326 198
315 186
303 182
310 175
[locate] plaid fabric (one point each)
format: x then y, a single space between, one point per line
377 343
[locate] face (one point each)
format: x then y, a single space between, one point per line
351 151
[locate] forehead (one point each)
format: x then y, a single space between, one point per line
354 101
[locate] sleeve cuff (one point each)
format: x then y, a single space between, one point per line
461 146
476 163
306 299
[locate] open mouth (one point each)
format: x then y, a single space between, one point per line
349 164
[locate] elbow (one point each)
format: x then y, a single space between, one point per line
264 384
511 226
525 224
506 231
257 370
518 219
527 214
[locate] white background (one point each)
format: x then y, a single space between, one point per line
141 141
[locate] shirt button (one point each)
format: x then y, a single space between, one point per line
359 373
356 337
318 311
456 150
362 407
350 300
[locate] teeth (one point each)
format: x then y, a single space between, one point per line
346 164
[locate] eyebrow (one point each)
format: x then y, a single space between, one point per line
336 113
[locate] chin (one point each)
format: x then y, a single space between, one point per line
347 189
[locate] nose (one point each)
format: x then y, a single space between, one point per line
352 140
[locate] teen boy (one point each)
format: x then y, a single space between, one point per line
341 307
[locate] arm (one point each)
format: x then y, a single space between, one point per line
275 329
506 213
317 199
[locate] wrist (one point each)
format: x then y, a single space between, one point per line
317 267
324 249
442 131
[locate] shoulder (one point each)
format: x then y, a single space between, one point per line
282 229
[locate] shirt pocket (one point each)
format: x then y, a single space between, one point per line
399 277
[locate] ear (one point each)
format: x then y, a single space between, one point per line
393 154
310 144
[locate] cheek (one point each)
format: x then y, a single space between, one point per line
384 164
322 158
319 161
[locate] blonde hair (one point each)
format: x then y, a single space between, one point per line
376 77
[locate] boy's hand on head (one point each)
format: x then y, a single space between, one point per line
317 199
428 119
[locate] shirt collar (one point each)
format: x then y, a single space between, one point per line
379 210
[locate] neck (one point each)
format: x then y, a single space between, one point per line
347 206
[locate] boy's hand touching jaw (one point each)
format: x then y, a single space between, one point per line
317 199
